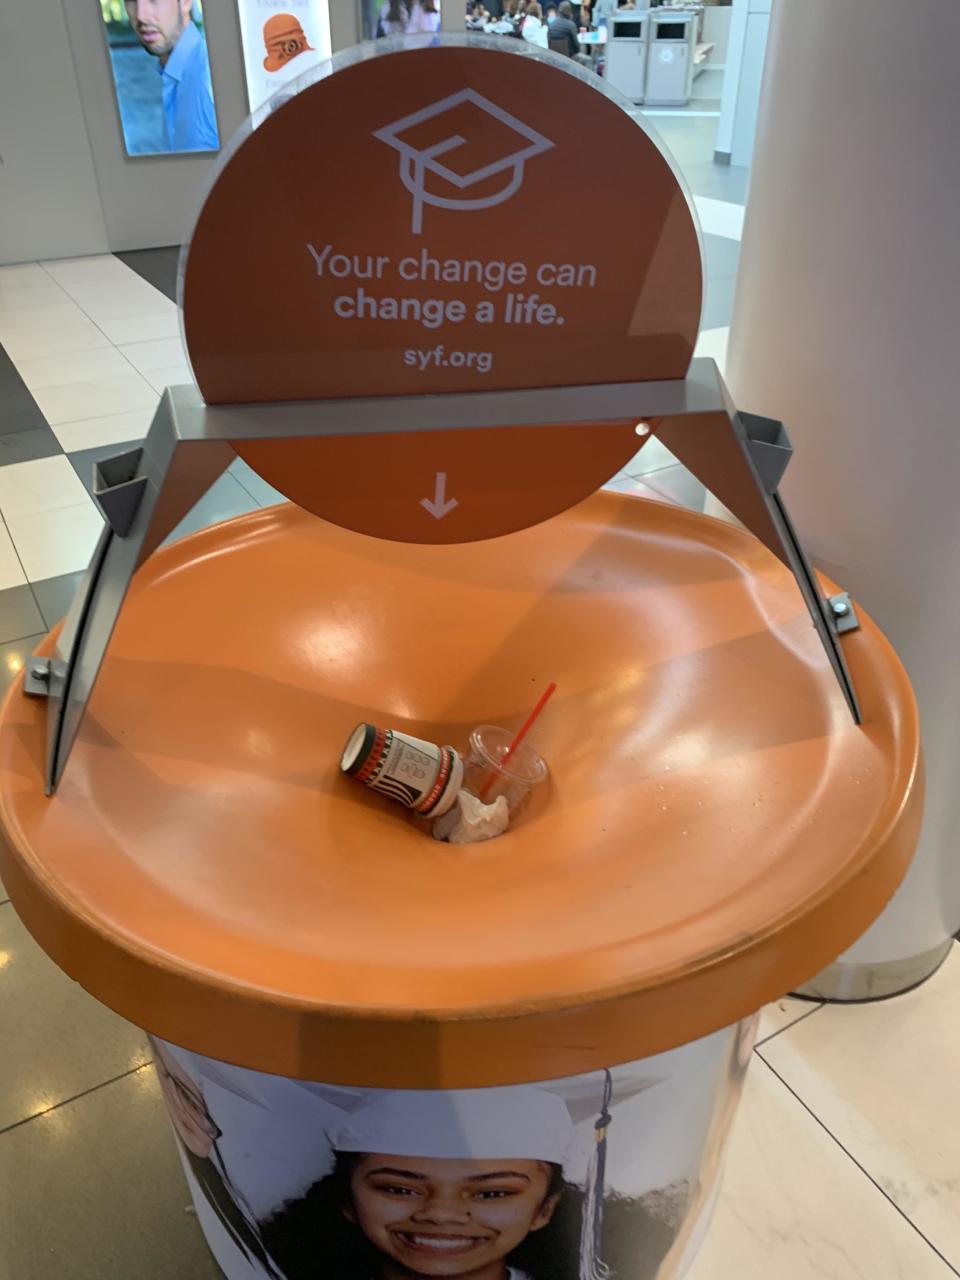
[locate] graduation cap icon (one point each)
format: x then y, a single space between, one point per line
457 144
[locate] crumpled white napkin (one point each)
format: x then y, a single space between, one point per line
469 820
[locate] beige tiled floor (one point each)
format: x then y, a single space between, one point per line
795 1207
884 1080
93 1191
74 1046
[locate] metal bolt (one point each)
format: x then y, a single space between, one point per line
642 429
39 671
840 608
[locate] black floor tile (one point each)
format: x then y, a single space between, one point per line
83 460
19 614
55 595
157 266
18 409
27 446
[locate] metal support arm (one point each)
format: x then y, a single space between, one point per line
145 492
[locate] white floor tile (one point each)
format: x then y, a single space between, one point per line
78 271
779 1015
653 456
793 1207
11 570
17 295
685 113
146 328
54 340
37 321
628 484
95 398
713 342
147 357
109 300
115 428
55 542
719 217
45 484
21 273
176 376
60 370
884 1079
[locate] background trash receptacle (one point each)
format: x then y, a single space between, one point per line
670 62
626 67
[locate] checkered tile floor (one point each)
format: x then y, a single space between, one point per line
86 347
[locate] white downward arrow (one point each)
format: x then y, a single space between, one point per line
437 506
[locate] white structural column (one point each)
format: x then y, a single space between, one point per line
739 104
847 327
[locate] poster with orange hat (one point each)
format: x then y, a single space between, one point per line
282 39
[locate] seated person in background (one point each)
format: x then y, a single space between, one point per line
424 17
533 29
503 26
513 11
476 17
549 12
564 34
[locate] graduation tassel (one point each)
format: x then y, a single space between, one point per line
592 1266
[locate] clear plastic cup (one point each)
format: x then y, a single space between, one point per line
515 780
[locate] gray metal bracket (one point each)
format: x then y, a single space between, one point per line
36 677
145 492
842 613
118 488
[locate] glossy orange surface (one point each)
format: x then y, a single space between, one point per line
714 831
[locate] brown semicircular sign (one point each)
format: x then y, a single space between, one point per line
442 219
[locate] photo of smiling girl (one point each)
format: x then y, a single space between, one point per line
473 1184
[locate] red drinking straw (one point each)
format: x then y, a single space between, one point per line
521 734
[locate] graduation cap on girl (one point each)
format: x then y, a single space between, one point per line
523 1122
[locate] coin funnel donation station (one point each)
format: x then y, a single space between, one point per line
447 825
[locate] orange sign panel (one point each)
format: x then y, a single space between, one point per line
443 219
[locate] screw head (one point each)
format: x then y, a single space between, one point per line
39 671
642 428
840 608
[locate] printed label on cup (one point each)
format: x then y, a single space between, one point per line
417 774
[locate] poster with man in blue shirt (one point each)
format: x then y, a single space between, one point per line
166 99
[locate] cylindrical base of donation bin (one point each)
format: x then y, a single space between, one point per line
515 1060
554 1180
